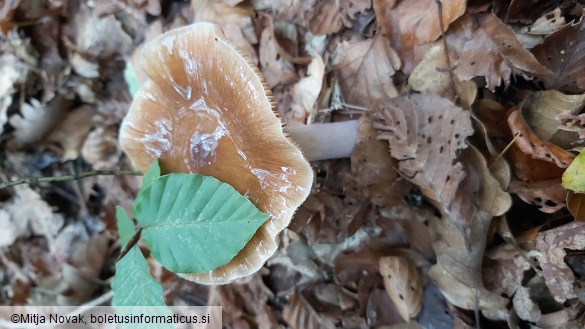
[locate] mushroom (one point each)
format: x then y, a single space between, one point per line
206 109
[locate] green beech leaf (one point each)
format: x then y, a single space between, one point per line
131 79
195 223
574 176
126 228
133 285
150 175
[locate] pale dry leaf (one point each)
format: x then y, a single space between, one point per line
492 197
71 132
12 73
101 148
325 17
458 270
306 91
503 268
412 23
374 168
540 111
563 52
25 214
525 307
553 245
403 285
533 35
426 134
431 76
531 144
365 69
36 120
494 52
300 314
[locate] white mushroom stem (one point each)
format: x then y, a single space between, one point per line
324 141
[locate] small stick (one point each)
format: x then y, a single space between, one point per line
133 241
51 179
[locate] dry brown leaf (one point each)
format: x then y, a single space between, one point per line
525 307
365 70
548 195
7 10
552 246
374 169
299 314
503 269
403 284
576 205
235 21
492 51
412 23
541 110
563 52
277 70
425 134
531 144
71 132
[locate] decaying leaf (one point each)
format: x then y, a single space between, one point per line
548 195
276 68
493 52
70 133
365 70
412 23
300 314
306 91
576 205
574 176
375 169
12 72
563 52
101 148
530 36
531 144
552 245
403 284
425 134
541 110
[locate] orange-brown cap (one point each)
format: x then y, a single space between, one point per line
206 109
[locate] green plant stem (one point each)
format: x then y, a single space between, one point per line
52 179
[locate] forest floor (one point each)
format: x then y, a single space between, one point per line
450 211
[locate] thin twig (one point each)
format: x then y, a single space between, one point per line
133 241
52 179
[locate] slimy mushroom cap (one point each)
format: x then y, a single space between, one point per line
206 109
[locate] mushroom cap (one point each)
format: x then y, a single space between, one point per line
206 109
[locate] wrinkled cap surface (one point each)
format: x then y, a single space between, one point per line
206 109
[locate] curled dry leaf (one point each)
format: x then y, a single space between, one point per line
552 246
306 91
403 284
70 133
563 52
533 35
412 23
300 314
493 52
375 169
328 17
425 134
540 111
576 205
531 144
365 69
